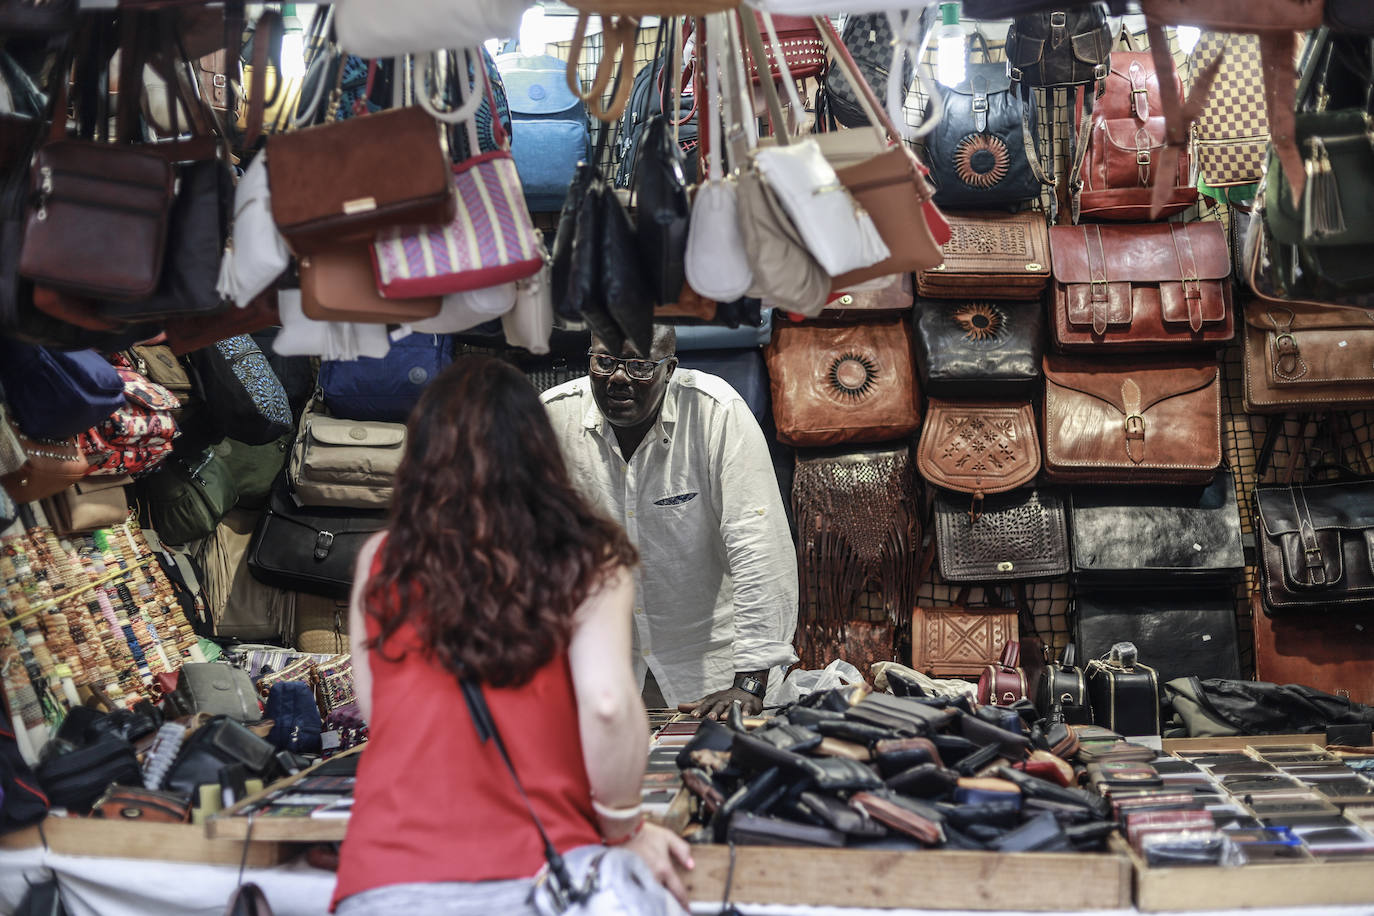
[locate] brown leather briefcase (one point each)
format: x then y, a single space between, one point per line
991 256
1150 420
1161 286
1301 355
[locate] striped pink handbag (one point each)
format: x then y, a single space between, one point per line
489 241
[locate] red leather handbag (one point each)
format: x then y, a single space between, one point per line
801 45
1003 683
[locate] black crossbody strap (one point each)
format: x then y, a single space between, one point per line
487 731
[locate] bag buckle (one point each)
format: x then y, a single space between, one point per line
1008 698
980 103
1142 157
1104 294
1286 344
1135 426
1100 73
1312 557
323 541
1014 74
1059 19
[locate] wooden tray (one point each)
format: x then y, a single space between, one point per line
93 836
229 825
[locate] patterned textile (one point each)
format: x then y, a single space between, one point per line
138 436
252 368
1233 129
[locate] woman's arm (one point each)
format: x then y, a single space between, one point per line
610 714
357 625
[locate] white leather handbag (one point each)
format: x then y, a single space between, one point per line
391 28
466 310
839 233
256 254
716 262
530 323
302 336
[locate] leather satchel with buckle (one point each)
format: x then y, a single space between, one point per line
1141 287
1306 355
1315 548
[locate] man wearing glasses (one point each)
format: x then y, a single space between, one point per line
676 457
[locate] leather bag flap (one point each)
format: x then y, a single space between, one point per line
983 79
1155 382
356 433
1283 318
979 448
1139 253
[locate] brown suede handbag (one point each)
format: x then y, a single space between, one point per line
343 181
978 447
1160 286
1150 420
196 331
992 256
337 284
854 383
1302 355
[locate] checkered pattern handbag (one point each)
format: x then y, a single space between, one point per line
1233 129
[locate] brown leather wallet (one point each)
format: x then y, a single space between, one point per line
900 814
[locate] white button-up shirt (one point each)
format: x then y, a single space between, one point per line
716 588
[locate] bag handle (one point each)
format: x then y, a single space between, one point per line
1069 656
1125 38
794 102
714 116
977 36
770 92
1011 654
744 128
621 33
867 100
904 34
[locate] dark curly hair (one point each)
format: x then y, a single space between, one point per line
490 549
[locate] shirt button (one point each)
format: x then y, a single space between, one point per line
644 652
639 610
631 513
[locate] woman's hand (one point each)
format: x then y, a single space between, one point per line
664 852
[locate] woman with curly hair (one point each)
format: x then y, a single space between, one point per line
493 571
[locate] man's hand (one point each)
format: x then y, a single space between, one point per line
717 705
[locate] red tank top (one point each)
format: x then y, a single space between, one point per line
433 803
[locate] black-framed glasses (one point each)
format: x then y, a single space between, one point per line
641 370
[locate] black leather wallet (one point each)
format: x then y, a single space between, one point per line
925 780
748 829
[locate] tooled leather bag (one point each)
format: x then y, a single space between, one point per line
891 300
1152 420
343 181
978 448
1141 287
1300 354
979 348
1016 535
1001 255
843 384
1315 551
1156 537
960 641
1115 179
1003 682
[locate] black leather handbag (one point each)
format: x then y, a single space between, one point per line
662 211
1017 535
1062 47
1156 537
1063 685
309 549
1124 693
980 154
869 40
979 348
1182 635
1315 546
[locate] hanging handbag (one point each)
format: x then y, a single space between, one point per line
185 500
978 448
385 389
1314 545
844 384
394 172
1059 48
530 322
310 550
662 210
344 463
979 349
1016 535
304 337
88 505
339 284
194 332
489 241
1063 685
960 641
998 255
1349 16
256 254
1232 132
1115 176
1141 287
159 364
1300 354
1147 421
1156 537
244 399
716 263
55 394
978 150
795 48
138 437
383 28
869 38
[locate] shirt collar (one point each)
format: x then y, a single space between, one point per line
593 419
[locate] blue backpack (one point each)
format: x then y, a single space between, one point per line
549 129
385 388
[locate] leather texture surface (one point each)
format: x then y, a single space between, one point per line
309 550
959 641
978 447
186 334
998 255
1126 700
843 384
1126 136
338 284
1332 651
1141 287
1129 537
109 202
1017 535
345 180
1003 683
893 299
1300 355
977 151
979 348
1146 421
1177 635
892 188
1316 546
1061 47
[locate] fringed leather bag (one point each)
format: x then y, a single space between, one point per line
858 521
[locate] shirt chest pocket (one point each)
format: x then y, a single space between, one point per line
678 504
